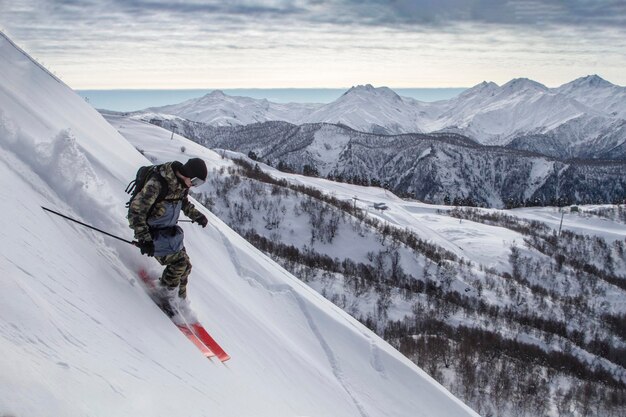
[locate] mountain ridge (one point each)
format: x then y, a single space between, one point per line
487 113
433 167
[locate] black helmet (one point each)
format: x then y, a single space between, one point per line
194 168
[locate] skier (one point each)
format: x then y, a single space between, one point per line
153 213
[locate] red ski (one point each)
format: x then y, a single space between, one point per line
195 340
208 341
190 332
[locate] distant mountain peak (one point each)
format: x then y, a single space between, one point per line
480 88
209 97
591 81
524 84
367 88
216 94
370 90
486 84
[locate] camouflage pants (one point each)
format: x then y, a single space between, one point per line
177 269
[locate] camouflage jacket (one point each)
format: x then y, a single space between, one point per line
139 207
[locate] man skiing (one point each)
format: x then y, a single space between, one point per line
153 215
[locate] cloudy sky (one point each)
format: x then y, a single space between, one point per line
102 44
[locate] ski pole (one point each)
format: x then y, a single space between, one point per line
91 227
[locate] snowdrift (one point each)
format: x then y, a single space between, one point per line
79 336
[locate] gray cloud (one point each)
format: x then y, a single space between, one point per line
132 19
386 13
154 35
445 12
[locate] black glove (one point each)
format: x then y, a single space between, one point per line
146 247
201 220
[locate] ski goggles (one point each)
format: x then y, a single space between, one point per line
195 181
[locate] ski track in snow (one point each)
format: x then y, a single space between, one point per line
255 278
14 332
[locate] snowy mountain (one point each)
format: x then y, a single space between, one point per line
433 168
78 334
219 109
493 115
584 117
362 107
598 94
369 109
584 137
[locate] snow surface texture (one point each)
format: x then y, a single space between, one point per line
586 110
79 336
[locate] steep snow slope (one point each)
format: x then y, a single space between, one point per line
79 336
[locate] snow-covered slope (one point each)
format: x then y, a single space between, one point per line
80 337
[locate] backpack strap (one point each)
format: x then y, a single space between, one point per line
162 193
